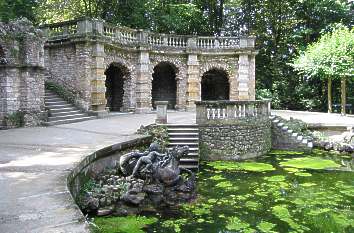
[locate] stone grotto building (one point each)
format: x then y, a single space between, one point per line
109 68
113 68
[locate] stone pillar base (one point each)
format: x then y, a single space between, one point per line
99 114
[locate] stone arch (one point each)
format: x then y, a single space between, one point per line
128 60
215 85
164 84
180 64
117 76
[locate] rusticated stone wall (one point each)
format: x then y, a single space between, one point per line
69 65
79 52
239 140
21 74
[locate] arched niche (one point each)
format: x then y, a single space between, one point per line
116 76
215 85
164 84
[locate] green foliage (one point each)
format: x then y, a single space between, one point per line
332 56
13 9
129 224
15 119
158 133
61 91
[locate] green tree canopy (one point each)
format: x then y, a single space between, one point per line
331 56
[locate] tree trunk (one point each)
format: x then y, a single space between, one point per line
343 88
329 92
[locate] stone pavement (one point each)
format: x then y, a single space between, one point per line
34 163
317 118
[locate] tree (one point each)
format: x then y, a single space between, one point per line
332 57
12 9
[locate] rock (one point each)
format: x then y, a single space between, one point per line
153 188
134 199
104 212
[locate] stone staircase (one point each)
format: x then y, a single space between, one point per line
62 112
286 138
185 135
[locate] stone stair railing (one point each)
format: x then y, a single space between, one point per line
129 36
283 137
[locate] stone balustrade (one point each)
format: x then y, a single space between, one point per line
220 111
128 36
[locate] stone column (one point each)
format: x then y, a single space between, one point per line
143 79
246 69
193 81
98 78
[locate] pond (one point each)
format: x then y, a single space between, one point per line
281 192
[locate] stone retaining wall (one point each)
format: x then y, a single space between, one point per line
97 162
238 140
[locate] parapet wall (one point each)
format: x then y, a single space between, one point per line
233 130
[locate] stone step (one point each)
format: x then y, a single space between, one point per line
191 162
299 138
191 145
60 106
285 128
294 134
178 134
60 110
57 102
310 144
68 121
50 95
170 126
190 167
304 141
65 117
187 139
52 99
276 121
64 113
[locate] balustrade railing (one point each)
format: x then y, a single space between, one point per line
61 29
128 36
218 42
217 111
121 34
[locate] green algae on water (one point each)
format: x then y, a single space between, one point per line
277 178
241 166
310 163
302 174
236 224
217 177
285 152
129 224
175 224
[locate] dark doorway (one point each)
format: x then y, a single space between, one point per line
164 85
215 85
115 76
